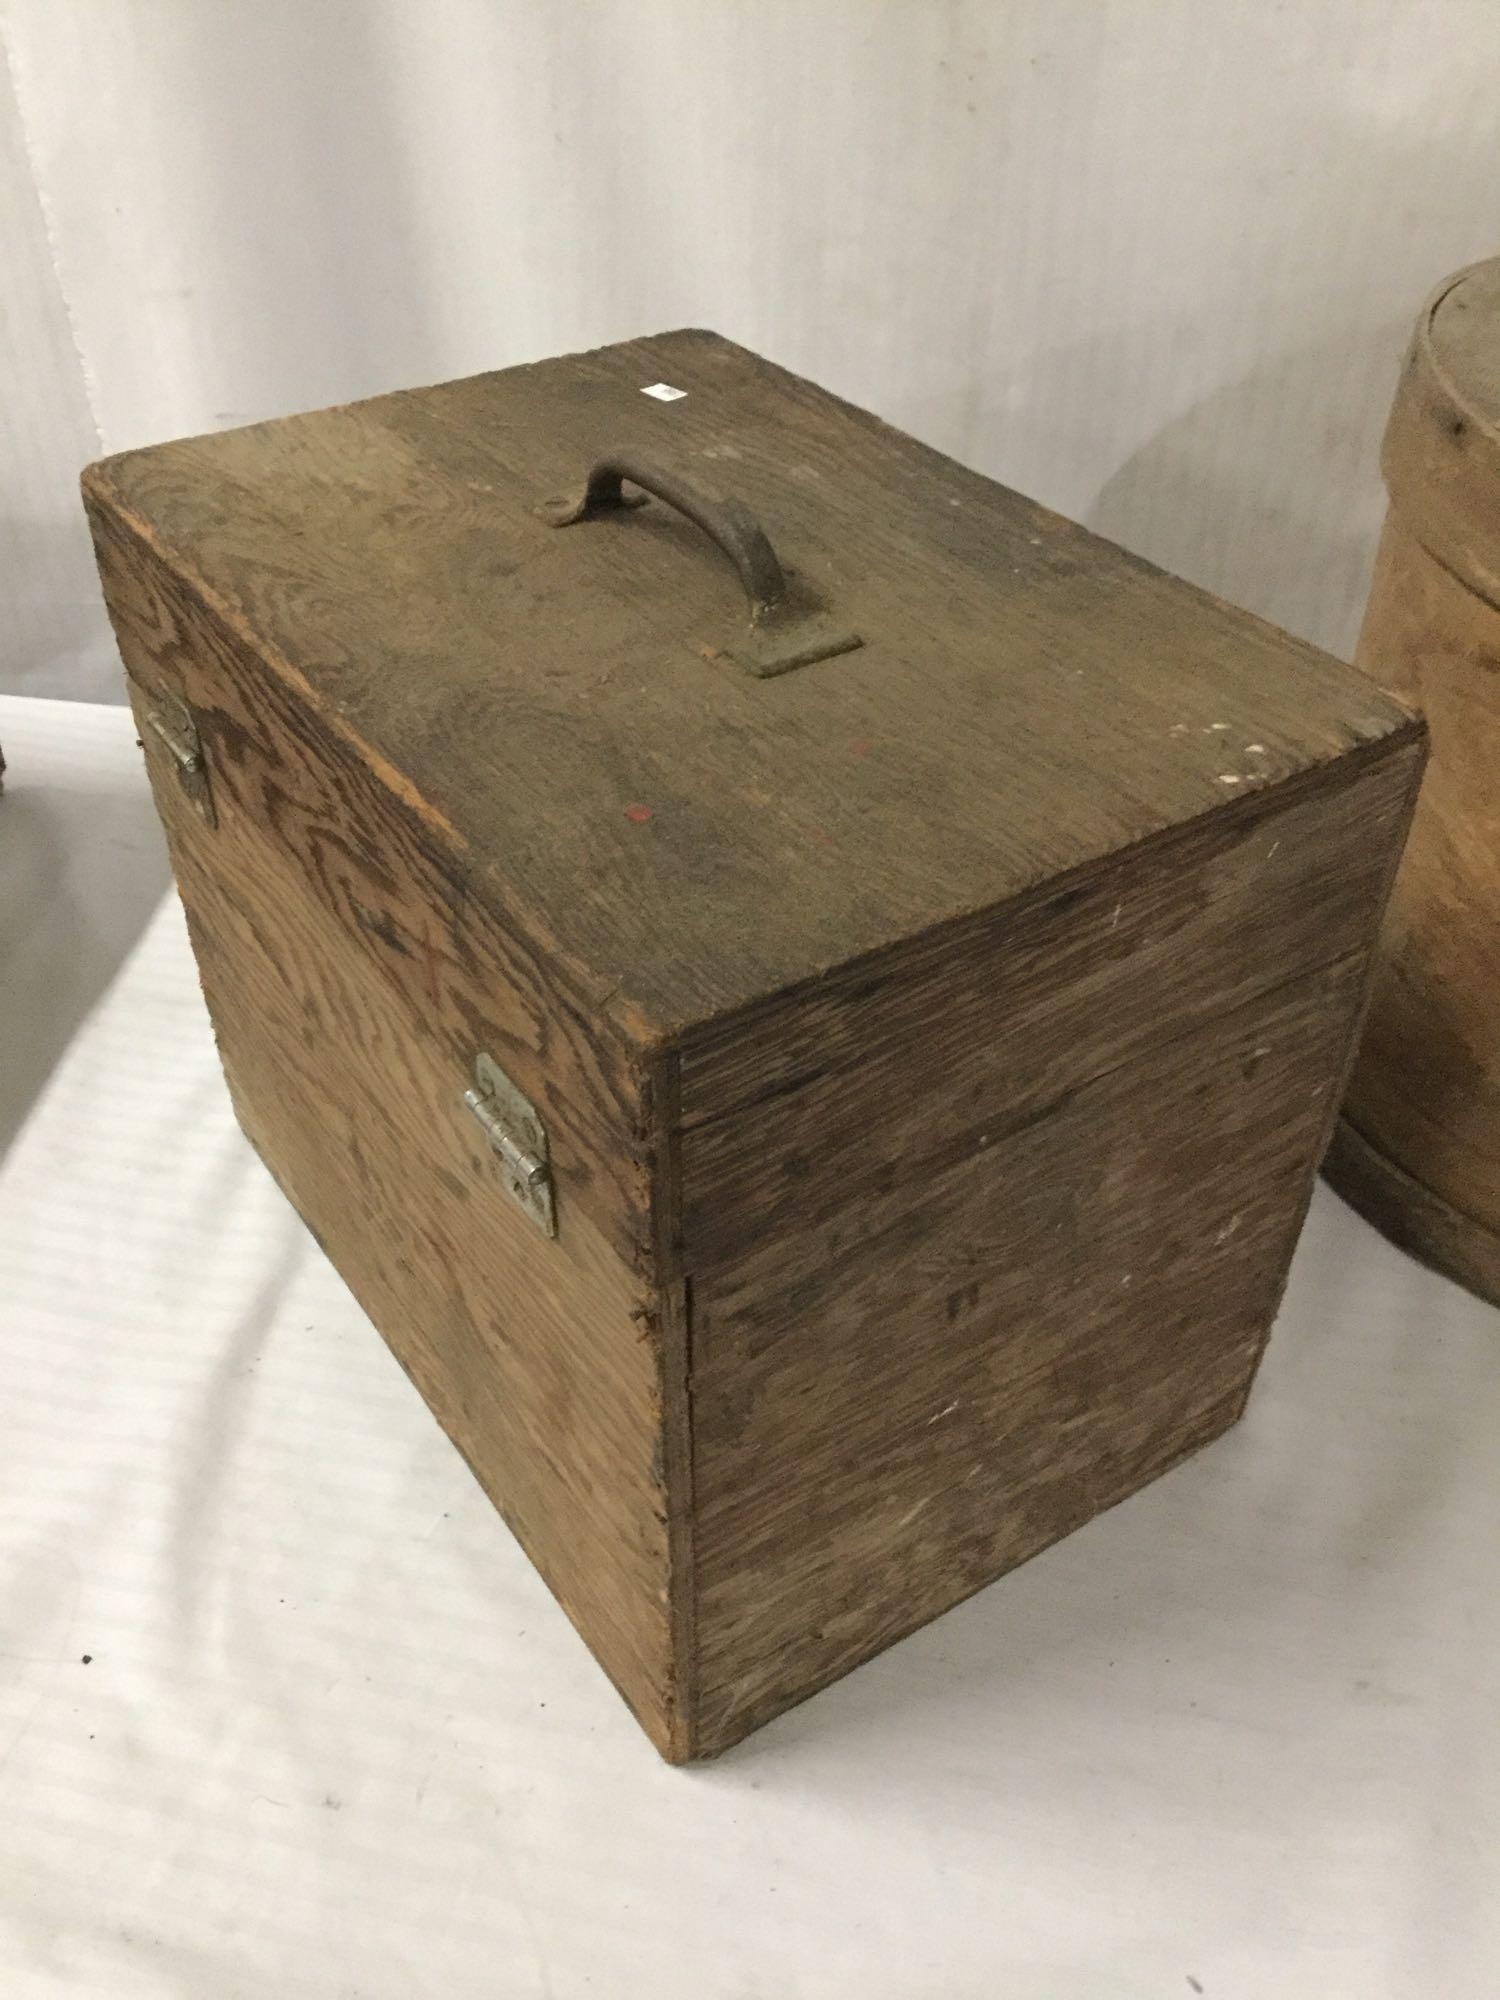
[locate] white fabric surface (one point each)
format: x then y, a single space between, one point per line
334 1739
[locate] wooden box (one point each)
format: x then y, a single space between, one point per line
815 1067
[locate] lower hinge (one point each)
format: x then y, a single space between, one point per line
515 1130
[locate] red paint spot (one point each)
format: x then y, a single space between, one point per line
823 839
860 746
638 814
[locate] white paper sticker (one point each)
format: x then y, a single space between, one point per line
664 392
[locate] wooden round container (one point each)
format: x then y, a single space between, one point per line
1417 1149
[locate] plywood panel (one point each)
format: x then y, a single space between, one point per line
904 1399
347 1047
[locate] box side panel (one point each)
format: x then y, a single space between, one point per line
351 982
891 1065
1048 1194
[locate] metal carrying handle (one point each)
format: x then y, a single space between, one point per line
781 636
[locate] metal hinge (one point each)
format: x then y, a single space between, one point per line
514 1128
170 719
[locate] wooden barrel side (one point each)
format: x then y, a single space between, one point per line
1417 1149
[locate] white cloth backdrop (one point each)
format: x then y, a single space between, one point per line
1152 261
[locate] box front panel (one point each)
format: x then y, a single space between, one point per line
993 1245
350 984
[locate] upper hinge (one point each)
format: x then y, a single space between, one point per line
515 1130
171 720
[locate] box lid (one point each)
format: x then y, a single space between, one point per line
572 703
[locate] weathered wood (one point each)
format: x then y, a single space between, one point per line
1001 1229
350 979
954 1022
793 1111
1028 699
390 872
1420 1152
893 1406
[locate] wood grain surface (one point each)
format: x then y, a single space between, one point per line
902 1401
1028 697
1001 1231
936 1044
350 980
895 1064
1428 1082
1421 1151
1425 1093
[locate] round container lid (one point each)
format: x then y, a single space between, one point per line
1463 332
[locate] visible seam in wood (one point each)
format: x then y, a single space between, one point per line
673 1334
1328 779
